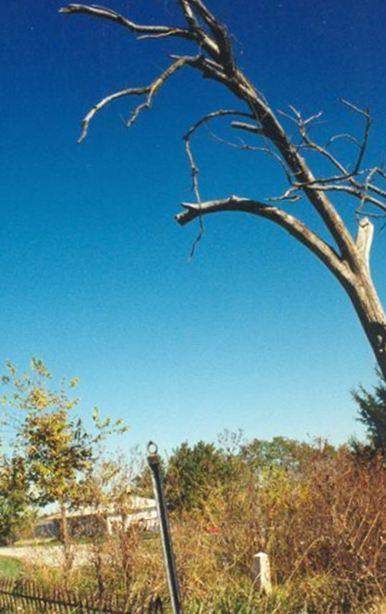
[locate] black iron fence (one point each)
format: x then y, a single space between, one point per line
28 597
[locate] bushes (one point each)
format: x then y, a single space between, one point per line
322 529
321 524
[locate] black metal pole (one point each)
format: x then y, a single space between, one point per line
170 566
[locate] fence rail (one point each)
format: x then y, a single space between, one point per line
29 597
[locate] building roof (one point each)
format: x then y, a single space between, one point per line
136 504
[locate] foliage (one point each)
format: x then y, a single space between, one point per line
322 527
56 448
193 471
112 482
9 567
282 452
322 530
372 413
14 501
189 473
55 451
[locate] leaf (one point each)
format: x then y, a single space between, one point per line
73 382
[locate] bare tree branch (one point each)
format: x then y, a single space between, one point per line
220 35
220 67
216 61
192 163
300 169
303 125
131 91
151 90
247 147
187 137
247 127
189 15
102 12
359 193
291 224
197 32
157 84
347 180
343 135
362 149
381 172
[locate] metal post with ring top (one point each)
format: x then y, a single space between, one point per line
170 566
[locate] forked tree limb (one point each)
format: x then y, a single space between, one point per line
346 257
130 91
150 91
216 43
102 12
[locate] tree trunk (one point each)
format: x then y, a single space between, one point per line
369 309
66 540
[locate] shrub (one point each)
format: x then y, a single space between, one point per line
322 527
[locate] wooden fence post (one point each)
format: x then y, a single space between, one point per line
262 573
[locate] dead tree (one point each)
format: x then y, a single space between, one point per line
346 256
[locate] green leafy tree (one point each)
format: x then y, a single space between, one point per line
193 471
15 510
372 414
58 452
283 453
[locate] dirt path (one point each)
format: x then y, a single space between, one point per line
52 556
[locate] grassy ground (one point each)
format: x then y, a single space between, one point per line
9 568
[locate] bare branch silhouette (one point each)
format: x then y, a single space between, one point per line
346 257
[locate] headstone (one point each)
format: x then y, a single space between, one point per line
262 573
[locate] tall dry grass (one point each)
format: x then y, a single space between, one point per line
324 528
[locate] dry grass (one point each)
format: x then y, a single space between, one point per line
324 531
323 528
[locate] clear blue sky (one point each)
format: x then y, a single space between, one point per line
95 276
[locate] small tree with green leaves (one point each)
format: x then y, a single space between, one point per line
372 414
283 453
59 454
193 471
190 473
15 510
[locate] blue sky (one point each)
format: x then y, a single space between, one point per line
96 280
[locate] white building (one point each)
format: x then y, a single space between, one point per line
92 520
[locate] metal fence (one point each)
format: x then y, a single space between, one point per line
28 597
